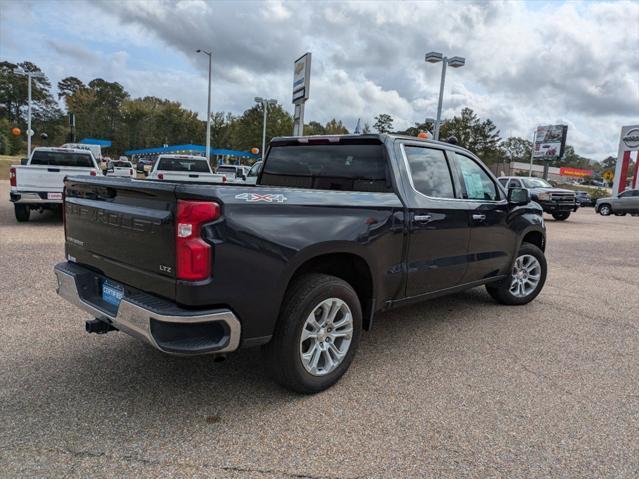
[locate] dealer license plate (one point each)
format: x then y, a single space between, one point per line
112 293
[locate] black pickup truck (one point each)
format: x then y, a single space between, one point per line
336 229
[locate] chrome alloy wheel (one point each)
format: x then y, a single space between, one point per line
326 336
526 276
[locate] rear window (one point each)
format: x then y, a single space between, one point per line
343 167
62 158
183 164
226 169
121 164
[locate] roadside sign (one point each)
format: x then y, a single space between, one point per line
577 172
302 78
550 141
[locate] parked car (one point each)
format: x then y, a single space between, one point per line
195 169
626 202
145 165
120 168
337 229
38 184
233 173
583 198
555 201
254 172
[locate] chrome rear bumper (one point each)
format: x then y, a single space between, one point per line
162 324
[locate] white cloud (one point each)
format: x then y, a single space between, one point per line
574 62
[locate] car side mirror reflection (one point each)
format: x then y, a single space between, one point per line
518 196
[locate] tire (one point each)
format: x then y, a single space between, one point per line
502 291
284 353
22 213
561 216
620 214
605 209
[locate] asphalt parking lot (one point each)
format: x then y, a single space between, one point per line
455 387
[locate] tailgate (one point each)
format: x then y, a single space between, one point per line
123 228
45 178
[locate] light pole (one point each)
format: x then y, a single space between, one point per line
265 103
454 62
29 75
208 108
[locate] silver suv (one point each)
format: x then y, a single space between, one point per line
626 202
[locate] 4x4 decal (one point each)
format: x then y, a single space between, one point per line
257 197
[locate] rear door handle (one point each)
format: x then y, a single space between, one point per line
422 218
479 217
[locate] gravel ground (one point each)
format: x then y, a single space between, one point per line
456 387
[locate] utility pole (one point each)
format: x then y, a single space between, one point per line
455 62
208 108
29 75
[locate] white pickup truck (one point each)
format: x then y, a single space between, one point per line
38 185
233 173
184 168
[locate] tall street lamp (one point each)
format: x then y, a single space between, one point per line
265 103
30 75
455 62
208 108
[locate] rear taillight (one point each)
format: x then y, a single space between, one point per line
131 171
193 255
224 179
93 173
12 177
160 176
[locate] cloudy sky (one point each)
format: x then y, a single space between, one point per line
528 63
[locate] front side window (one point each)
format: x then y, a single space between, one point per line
477 183
503 181
430 172
255 169
514 184
626 194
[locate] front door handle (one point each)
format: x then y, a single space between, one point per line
479 217
422 218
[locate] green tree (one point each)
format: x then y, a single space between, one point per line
480 137
516 149
68 86
335 127
314 128
247 129
426 125
383 123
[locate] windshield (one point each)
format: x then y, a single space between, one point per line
184 164
62 158
535 183
121 164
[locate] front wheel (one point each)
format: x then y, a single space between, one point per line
561 216
22 213
605 210
317 334
526 280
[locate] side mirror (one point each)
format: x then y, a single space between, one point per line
518 196
24 161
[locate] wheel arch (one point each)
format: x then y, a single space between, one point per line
348 265
536 237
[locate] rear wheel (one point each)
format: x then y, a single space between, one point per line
22 213
620 214
526 280
561 216
317 334
605 210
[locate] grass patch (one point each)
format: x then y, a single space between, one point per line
5 164
593 191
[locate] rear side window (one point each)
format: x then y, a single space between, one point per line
476 182
59 158
331 166
183 164
430 172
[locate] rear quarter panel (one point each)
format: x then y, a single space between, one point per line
265 234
